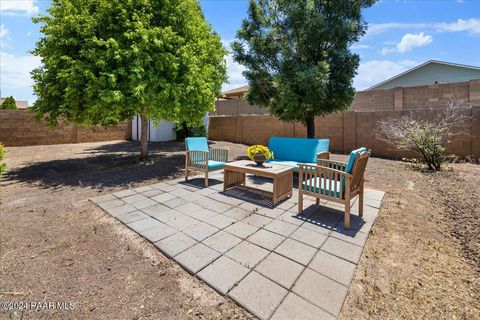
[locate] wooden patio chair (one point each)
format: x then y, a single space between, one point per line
335 181
200 158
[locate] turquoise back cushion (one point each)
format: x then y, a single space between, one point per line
199 144
351 159
294 149
323 145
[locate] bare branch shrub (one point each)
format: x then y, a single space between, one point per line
426 137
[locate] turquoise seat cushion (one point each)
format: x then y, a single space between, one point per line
197 144
294 149
288 163
352 157
323 186
212 164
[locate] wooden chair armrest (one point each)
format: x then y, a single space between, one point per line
323 155
198 157
338 165
218 154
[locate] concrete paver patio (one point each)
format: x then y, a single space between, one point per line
273 262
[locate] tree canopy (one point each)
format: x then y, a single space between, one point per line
104 61
297 56
9 103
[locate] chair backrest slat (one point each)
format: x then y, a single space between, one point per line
358 171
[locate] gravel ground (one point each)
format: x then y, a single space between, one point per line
421 259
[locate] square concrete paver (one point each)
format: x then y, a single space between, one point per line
309 237
200 231
247 254
223 274
342 249
266 239
124 193
220 221
281 227
258 294
161 212
321 291
141 225
129 217
241 229
222 241
333 267
134 198
274 262
158 232
237 213
294 307
279 269
197 257
296 251
175 244
257 220
182 221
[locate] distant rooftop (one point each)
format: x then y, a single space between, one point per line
235 92
430 72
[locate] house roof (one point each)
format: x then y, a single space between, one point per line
422 65
235 91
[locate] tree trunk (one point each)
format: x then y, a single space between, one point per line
310 122
144 135
185 129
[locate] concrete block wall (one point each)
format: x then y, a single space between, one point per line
430 96
346 131
18 128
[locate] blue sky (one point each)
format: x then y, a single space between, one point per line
401 35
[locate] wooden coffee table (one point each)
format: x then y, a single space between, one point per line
282 176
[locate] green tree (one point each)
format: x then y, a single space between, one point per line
297 57
104 61
9 103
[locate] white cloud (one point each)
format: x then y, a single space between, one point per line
3 31
470 25
16 70
28 34
377 28
18 7
410 41
373 72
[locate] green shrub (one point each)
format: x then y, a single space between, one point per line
9 103
183 131
3 152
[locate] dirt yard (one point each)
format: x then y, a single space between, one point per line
421 260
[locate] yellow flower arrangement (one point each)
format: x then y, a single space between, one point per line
259 149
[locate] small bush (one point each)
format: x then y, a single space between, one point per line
3 152
183 131
9 104
425 137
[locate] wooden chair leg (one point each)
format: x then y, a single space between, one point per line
347 215
360 201
317 200
206 178
186 173
300 202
